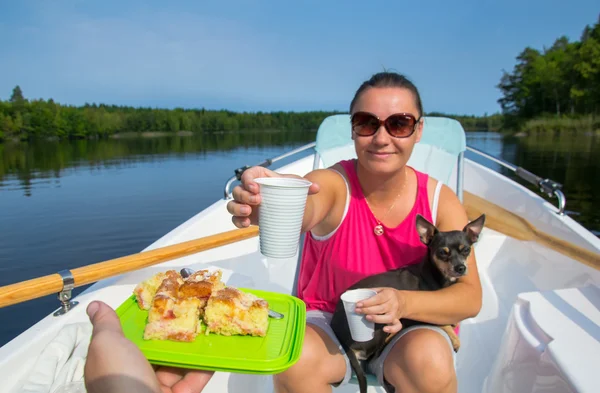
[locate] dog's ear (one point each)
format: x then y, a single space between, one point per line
474 228
425 229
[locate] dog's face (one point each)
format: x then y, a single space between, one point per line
449 250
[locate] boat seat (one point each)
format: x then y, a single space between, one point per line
439 153
551 343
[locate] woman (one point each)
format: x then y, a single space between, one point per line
360 219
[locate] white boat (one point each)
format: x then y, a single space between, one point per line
538 329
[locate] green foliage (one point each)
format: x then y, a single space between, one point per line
475 123
26 120
17 95
589 124
562 81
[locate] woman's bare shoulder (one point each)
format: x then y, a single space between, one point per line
451 212
331 174
431 185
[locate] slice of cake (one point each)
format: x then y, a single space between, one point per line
181 323
172 318
145 291
165 297
230 311
201 285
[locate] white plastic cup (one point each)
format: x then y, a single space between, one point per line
280 215
361 329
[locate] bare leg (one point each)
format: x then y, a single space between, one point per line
421 361
320 365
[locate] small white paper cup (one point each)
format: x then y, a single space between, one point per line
361 329
280 215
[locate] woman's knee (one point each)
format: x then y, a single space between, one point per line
320 359
423 359
309 357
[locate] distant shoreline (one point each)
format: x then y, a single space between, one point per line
24 120
149 134
125 135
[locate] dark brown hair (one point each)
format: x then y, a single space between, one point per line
389 79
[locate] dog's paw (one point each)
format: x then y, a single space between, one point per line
449 329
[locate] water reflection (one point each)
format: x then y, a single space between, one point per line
570 160
491 143
28 166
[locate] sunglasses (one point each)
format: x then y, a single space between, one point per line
398 125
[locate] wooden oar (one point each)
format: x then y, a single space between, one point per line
52 284
510 224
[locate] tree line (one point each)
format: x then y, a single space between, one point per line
25 119
32 119
561 81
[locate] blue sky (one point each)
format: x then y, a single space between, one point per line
272 55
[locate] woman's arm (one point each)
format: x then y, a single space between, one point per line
323 199
322 209
456 302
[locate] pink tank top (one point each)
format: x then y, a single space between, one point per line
354 252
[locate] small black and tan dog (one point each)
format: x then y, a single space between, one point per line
444 264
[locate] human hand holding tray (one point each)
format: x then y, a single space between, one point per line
279 349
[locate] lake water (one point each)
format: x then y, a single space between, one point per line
69 204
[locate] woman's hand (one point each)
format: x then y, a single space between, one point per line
386 308
246 196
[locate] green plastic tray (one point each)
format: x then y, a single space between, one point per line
274 353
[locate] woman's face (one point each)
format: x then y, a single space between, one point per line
382 153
